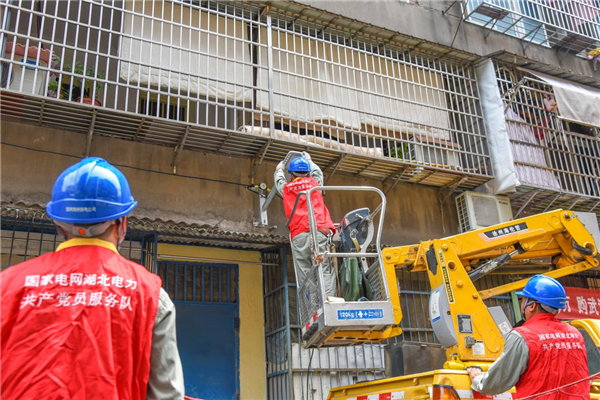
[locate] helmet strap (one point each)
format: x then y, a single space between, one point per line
544 307
61 233
548 309
121 230
528 302
86 231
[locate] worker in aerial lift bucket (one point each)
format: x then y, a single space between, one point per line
306 175
83 322
543 353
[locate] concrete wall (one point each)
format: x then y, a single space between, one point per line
253 378
27 178
424 19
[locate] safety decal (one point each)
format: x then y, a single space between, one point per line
360 314
446 276
434 305
465 325
312 320
504 327
479 348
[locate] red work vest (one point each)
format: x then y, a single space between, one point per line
77 324
557 356
299 223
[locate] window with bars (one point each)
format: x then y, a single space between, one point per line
26 234
549 152
196 282
212 65
162 109
573 25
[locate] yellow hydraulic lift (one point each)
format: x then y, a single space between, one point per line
470 332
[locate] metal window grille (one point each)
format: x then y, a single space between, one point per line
587 280
557 161
277 324
572 25
245 80
202 283
294 372
163 110
27 234
414 296
315 371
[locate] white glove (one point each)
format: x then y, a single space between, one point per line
280 166
306 156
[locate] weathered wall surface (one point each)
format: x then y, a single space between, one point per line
427 20
27 177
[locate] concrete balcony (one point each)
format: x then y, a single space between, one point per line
569 25
554 155
247 80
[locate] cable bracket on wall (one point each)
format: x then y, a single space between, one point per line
90 135
179 148
263 191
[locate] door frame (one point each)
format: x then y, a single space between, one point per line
235 305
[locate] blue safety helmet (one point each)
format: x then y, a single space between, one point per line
545 290
89 192
299 165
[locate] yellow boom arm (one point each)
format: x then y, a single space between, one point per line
453 263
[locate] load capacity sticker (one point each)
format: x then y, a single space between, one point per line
360 314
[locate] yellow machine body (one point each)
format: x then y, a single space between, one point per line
558 237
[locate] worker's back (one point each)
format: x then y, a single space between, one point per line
300 223
557 357
77 324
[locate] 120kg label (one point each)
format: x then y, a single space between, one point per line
360 314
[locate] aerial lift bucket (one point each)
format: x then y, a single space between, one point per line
335 321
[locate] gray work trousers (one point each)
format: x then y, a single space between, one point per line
302 252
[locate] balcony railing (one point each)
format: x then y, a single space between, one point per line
572 25
244 79
557 161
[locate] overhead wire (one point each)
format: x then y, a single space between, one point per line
131 167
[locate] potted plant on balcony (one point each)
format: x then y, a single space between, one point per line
404 151
33 57
79 88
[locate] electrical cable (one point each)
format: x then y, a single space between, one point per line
312 352
561 388
130 167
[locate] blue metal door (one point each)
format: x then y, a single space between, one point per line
207 345
205 298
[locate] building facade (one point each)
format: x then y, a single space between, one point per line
197 101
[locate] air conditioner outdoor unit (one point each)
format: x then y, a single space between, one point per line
479 210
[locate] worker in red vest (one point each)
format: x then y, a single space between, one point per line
306 175
543 353
83 322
